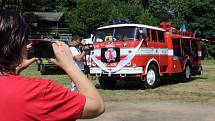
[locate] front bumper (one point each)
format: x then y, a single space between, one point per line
49 65
137 70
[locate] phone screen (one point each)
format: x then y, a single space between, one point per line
43 49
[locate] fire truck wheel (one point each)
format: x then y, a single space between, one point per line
152 77
187 72
200 70
107 83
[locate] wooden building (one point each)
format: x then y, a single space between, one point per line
46 22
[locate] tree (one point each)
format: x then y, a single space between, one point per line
144 3
146 18
38 5
161 9
170 10
88 15
202 17
10 4
212 51
135 10
84 16
181 9
204 49
46 5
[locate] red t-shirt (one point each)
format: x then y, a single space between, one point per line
35 99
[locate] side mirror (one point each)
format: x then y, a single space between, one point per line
142 36
146 39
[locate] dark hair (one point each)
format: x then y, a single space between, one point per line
13 37
76 37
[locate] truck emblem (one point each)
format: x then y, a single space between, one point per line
110 54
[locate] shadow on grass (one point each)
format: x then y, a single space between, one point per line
137 84
129 85
54 71
125 85
176 80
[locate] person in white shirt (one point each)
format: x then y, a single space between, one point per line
78 55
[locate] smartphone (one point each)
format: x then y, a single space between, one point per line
42 48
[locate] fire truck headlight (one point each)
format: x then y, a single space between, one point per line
128 64
134 65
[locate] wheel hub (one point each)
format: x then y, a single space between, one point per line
187 72
150 78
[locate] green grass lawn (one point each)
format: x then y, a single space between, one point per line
201 88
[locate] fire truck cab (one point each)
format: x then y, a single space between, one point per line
136 51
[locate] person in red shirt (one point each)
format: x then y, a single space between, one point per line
35 99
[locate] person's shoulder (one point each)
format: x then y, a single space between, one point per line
32 80
74 51
73 48
43 84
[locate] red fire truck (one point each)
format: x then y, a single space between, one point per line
136 51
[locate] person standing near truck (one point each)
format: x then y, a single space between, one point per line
78 55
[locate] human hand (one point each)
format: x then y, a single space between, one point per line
25 63
29 46
63 55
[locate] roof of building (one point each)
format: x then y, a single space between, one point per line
46 16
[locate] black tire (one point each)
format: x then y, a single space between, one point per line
152 77
200 70
186 73
38 67
43 70
107 83
39 64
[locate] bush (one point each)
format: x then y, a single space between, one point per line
204 50
212 51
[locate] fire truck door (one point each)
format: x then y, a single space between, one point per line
161 46
160 51
154 44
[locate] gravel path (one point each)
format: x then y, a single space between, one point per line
157 111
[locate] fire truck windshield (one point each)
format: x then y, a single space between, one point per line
116 34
